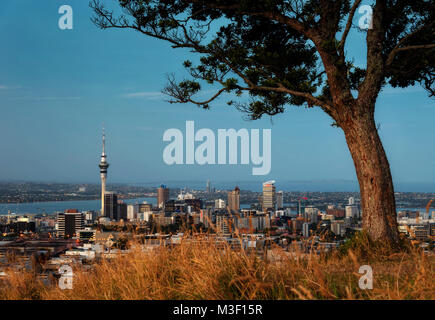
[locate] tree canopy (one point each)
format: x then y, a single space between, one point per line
286 52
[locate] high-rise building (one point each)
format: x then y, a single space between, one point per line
206 217
208 188
122 211
223 224
351 201
280 200
132 210
162 196
103 172
305 230
269 196
111 205
234 199
69 223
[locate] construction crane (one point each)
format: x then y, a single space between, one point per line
427 210
428 206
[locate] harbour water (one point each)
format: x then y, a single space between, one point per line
51 207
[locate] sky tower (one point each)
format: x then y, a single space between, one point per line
103 171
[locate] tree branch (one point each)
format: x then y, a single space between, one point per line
348 26
396 50
275 16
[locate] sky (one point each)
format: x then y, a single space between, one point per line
58 87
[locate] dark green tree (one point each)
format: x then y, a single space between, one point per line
292 52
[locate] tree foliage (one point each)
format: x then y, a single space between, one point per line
285 52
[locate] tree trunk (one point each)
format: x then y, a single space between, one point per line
373 170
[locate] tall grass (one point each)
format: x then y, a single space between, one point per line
205 270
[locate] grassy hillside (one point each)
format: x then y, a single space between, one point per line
201 270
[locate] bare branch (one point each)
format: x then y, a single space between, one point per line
182 95
348 26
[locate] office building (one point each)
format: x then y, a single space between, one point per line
422 232
162 196
122 211
338 227
69 223
145 207
87 235
223 224
269 196
306 230
337 213
351 212
234 200
111 205
132 210
90 216
206 217
279 200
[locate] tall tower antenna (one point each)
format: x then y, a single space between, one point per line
104 141
103 173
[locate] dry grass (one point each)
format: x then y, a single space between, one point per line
205 271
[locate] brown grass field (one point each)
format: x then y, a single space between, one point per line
203 270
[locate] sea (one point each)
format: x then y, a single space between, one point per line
51 207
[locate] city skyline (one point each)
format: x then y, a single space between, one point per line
55 97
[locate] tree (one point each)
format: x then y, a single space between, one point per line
292 52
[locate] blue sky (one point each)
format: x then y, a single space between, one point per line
57 87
